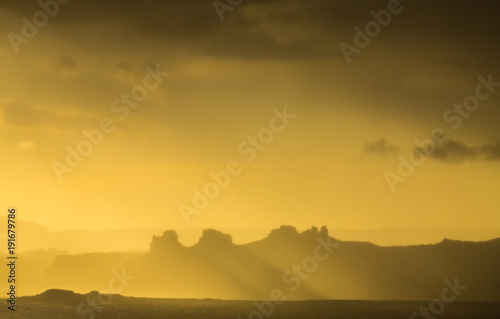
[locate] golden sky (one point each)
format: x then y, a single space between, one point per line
227 79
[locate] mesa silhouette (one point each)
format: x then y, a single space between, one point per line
287 260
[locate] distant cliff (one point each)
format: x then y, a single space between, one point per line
307 265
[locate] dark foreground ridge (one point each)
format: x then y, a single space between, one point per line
66 297
63 304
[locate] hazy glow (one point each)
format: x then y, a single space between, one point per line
219 93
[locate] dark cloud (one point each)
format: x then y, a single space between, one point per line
456 152
492 151
380 147
284 29
124 66
169 18
67 63
24 116
427 58
66 66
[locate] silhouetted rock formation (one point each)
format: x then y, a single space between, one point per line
169 240
304 265
60 296
216 239
284 232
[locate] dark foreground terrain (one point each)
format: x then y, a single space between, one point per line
136 308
